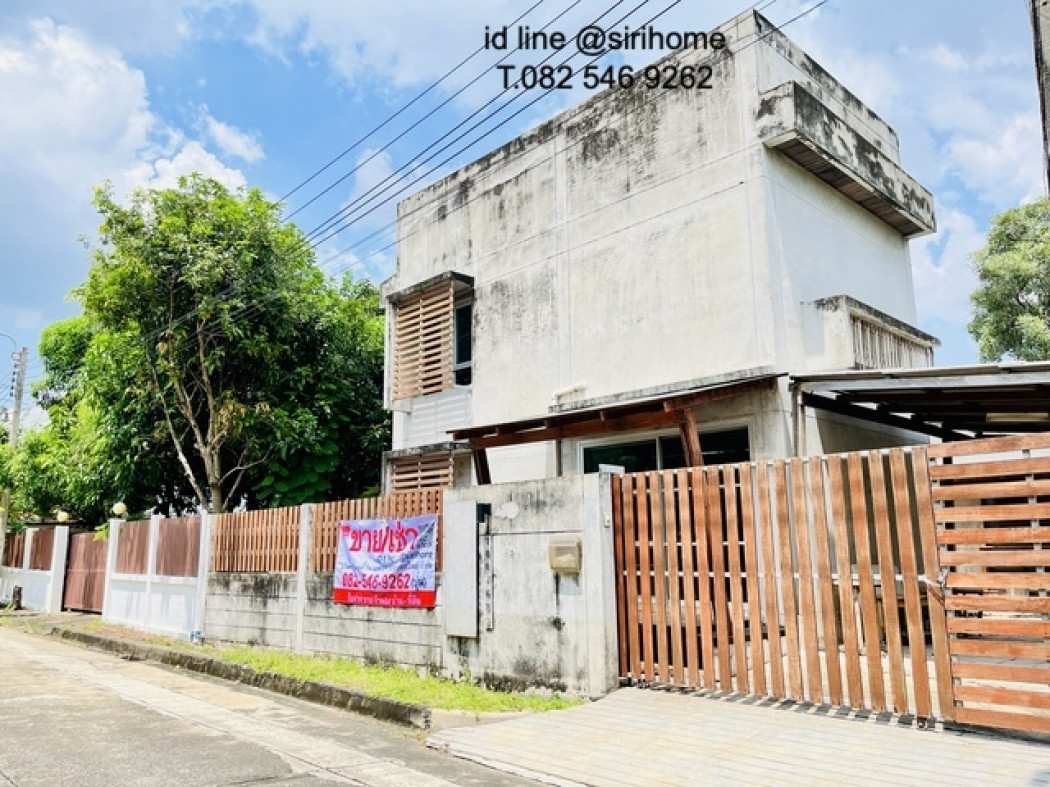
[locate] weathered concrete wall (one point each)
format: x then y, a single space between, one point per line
402 636
537 626
266 609
256 608
534 626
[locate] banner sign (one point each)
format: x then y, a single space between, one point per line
386 562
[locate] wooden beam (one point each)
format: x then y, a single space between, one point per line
580 429
481 467
721 392
880 417
690 438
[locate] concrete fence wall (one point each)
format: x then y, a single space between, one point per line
295 610
41 589
151 601
503 615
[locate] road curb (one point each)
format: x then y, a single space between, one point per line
314 691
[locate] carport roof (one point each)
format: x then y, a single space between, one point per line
953 403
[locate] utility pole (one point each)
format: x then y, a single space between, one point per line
18 384
1039 11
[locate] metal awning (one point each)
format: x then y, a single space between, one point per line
671 407
952 403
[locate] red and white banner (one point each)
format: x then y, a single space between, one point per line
386 562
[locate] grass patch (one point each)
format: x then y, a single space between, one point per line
391 682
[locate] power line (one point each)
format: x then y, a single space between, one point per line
485 72
248 310
755 40
307 244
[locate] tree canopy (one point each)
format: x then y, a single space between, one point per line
214 363
1012 302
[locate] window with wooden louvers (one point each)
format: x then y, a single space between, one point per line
423 342
428 471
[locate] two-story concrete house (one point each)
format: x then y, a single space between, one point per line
632 282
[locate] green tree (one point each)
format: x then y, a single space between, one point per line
98 445
211 332
1012 302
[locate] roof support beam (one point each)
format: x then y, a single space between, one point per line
880 417
481 467
690 435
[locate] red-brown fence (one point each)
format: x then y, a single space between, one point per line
821 579
41 548
86 574
266 540
133 547
178 547
992 508
327 516
785 578
14 549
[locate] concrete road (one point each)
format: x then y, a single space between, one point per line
74 716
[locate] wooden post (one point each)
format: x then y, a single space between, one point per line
481 466
690 437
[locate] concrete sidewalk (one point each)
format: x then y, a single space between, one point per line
637 736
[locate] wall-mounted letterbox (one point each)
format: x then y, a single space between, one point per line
565 554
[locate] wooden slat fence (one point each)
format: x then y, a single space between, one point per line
327 516
14 549
992 508
178 547
266 540
86 573
133 547
798 579
41 548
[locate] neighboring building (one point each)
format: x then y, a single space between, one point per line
649 266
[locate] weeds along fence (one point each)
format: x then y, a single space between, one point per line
269 540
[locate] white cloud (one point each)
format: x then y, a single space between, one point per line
73 109
944 275
231 140
164 173
1006 168
75 113
944 56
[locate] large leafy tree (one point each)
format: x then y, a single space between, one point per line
209 335
98 445
1012 302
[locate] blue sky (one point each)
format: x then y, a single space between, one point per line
264 92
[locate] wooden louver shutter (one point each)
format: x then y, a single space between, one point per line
428 471
423 342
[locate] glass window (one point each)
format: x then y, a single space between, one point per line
725 447
666 453
462 356
634 457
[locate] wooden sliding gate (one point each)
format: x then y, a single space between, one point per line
821 579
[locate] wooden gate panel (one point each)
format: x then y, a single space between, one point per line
778 578
86 573
991 506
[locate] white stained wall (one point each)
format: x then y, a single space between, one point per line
646 238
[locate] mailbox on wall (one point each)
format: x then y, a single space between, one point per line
565 554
